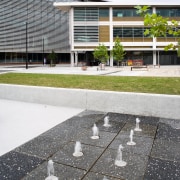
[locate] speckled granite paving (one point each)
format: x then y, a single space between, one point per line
156 155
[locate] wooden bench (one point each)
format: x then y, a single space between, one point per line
138 67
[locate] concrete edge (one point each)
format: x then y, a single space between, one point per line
164 106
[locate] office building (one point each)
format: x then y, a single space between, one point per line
92 23
74 28
46 30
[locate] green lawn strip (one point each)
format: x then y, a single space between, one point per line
157 85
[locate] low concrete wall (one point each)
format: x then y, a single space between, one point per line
44 95
166 106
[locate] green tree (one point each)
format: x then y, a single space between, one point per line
52 56
101 53
178 51
118 51
159 26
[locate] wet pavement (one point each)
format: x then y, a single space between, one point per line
154 157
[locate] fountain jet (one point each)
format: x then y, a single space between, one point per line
137 125
77 149
50 171
119 162
95 132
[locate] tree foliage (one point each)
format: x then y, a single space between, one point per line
118 51
159 26
178 51
52 56
101 53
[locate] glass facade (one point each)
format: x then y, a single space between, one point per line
86 14
90 14
88 32
103 12
168 12
124 12
128 32
47 29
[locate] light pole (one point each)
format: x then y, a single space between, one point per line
26 48
43 52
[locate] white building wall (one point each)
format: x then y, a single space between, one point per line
128 46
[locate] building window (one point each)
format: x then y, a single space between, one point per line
127 12
128 32
103 12
86 14
86 33
138 32
168 12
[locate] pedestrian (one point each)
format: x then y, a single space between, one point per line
44 61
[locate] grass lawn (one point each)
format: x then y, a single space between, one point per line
157 85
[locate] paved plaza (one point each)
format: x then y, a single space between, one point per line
154 157
163 71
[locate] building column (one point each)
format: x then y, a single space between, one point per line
111 34
154 51
154 43
158 59
72 59
154 57
111 61
76 58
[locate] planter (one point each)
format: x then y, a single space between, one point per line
102 66
84 68
52 65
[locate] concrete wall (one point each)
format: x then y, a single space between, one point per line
167 106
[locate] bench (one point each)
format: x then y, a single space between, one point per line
138 67
153 66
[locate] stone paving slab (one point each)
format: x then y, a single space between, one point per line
114 128
144 119
97 176
83 121
118 117
167 150
61 171
168 132
147 130
105 138
90 155
134 170
159 169
41 146
14 165
127 118
143 144
154 157
49 142
174 123
92 114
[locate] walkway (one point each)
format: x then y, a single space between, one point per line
163 71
